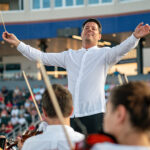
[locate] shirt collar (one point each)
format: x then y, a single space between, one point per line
58 128
91 48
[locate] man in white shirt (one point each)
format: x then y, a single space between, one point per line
54 137
87 69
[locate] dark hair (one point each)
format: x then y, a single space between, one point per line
64 98
135 97
93 20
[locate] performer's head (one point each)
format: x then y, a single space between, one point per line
64 99
91 33
128 113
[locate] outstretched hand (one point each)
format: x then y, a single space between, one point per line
10 38
141 30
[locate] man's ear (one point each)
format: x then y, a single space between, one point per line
71 111
44 112
121 114
100 36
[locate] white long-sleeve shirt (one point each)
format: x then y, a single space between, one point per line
53 138
87 71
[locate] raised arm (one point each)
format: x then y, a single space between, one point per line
115 53
33 54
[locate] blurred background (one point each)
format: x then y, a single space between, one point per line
55 26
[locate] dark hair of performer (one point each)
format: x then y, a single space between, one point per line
128 114
64 98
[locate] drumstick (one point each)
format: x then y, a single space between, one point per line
54 101
3 21
34 101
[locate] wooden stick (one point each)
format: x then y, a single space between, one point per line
3 21
54 101
34 101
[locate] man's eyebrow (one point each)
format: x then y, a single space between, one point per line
90 26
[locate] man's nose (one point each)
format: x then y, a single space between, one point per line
90 28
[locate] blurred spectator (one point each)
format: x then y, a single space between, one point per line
36 89
9 105
5 118
116 73
27 104
14 120
2 105
38 96
27 115
22 120
9 111
3 129
4 113
9 127
33 114
16 91
22 110
15 111
24 92
17 76
4 91
20 99
15 103
42 89
1 97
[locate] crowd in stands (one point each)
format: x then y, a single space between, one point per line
17 108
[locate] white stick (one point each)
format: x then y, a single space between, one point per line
34 101
126 79
3 21
120 79
54 101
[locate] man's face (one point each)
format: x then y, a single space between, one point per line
91 32
110 119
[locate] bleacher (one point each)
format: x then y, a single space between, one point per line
17 111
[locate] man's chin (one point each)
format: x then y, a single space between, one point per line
88 39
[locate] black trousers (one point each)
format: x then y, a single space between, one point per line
93 123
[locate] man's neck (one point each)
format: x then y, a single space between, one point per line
88 45
55 121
